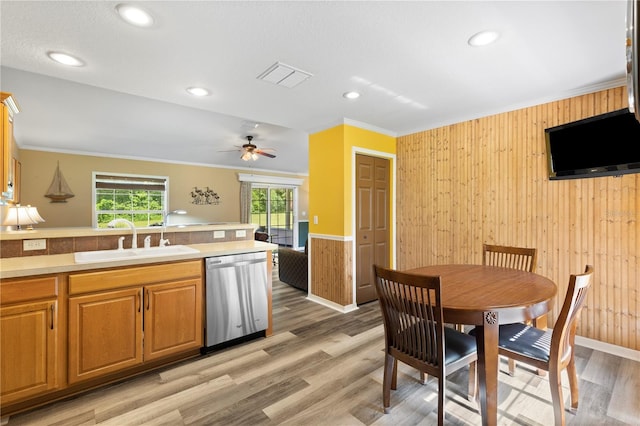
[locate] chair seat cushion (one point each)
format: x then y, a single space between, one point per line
457 345
524 339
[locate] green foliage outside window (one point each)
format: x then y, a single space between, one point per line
142 207
279 217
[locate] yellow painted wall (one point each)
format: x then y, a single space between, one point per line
331 175
38 168
327 182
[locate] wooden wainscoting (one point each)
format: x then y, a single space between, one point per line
331 270
486 180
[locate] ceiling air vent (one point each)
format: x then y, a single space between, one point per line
284 75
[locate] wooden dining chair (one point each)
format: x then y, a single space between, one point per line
551 350
415 333
522 258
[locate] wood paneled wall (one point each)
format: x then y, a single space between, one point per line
331 266
486 180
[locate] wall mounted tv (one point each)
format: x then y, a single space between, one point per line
604 145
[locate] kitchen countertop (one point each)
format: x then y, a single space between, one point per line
88 231
58 263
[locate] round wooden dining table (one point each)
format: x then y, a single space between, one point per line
487 296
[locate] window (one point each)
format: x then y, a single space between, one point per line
140 199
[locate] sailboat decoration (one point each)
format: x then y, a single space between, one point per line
59 189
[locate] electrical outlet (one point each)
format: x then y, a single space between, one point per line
241 233
34 245
218 234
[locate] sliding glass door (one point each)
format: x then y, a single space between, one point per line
272 208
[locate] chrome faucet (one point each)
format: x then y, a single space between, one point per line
164 242
134 241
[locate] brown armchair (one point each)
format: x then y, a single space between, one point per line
293 267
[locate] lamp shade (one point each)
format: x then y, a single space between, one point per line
22 216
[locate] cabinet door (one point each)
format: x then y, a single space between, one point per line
29 340
173 318
6 162
105 333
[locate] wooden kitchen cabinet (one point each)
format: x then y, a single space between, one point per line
105 333
9 192
30 325
124 318
172 318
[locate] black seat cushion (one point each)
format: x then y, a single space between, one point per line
457 345
524 339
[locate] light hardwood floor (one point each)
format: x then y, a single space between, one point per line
322 367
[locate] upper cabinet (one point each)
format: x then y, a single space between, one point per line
9 165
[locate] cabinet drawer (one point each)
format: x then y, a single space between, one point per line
24 290
137 276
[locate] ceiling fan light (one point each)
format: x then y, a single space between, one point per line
254 156
246 156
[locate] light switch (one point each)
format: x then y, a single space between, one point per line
218 234
241 233
315 220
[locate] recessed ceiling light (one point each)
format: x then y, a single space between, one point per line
64 59
134 15
483 38
351 95
198 91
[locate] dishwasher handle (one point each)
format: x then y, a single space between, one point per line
229 261
234 264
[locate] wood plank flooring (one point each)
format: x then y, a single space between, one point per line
322 367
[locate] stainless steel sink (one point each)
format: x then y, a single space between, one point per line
138 253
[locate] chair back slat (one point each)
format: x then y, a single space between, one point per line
412 315
565 327
521 258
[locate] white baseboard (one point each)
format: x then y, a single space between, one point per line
332 305
608 348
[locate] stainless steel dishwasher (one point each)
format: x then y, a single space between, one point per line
236 296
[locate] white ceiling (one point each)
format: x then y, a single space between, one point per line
410 60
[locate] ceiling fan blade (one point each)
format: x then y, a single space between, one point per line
266 154
236 149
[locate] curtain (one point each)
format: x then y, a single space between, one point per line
245 202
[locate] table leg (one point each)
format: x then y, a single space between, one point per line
487 341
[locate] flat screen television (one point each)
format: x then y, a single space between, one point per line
604 145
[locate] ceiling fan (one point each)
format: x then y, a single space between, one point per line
251 151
